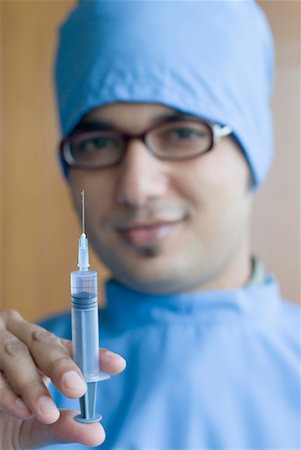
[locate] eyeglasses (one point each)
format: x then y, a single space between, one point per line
171 140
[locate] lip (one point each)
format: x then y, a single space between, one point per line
141 234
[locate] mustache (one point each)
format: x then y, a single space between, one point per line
169 212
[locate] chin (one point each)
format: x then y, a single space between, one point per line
154 278
153 269
149 277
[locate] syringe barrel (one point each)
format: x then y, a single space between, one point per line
84 311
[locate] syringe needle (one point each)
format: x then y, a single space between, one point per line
83 211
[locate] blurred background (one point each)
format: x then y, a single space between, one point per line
39 230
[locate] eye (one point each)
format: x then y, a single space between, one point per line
183 133
98 143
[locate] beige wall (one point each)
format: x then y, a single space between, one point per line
276 224
39 230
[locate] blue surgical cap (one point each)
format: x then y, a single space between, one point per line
212 59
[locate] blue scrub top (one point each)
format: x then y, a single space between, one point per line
205 370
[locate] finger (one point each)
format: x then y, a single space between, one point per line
110 362
66 429
46 380
51 357
11 403
23 377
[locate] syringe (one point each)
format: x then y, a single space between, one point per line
84 312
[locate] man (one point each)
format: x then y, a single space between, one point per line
166 126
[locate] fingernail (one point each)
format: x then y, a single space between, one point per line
47 406
72 380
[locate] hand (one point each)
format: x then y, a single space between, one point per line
29 357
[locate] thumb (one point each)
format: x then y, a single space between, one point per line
35 435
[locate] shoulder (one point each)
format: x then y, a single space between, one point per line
276 310
290 312
289 319
59 324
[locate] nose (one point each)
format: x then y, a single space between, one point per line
142 176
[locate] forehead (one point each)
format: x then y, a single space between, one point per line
128 115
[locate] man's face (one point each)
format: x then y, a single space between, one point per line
164 226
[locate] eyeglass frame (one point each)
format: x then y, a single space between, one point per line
217 132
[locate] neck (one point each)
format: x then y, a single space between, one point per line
233 273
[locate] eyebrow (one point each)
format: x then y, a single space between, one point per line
87 124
